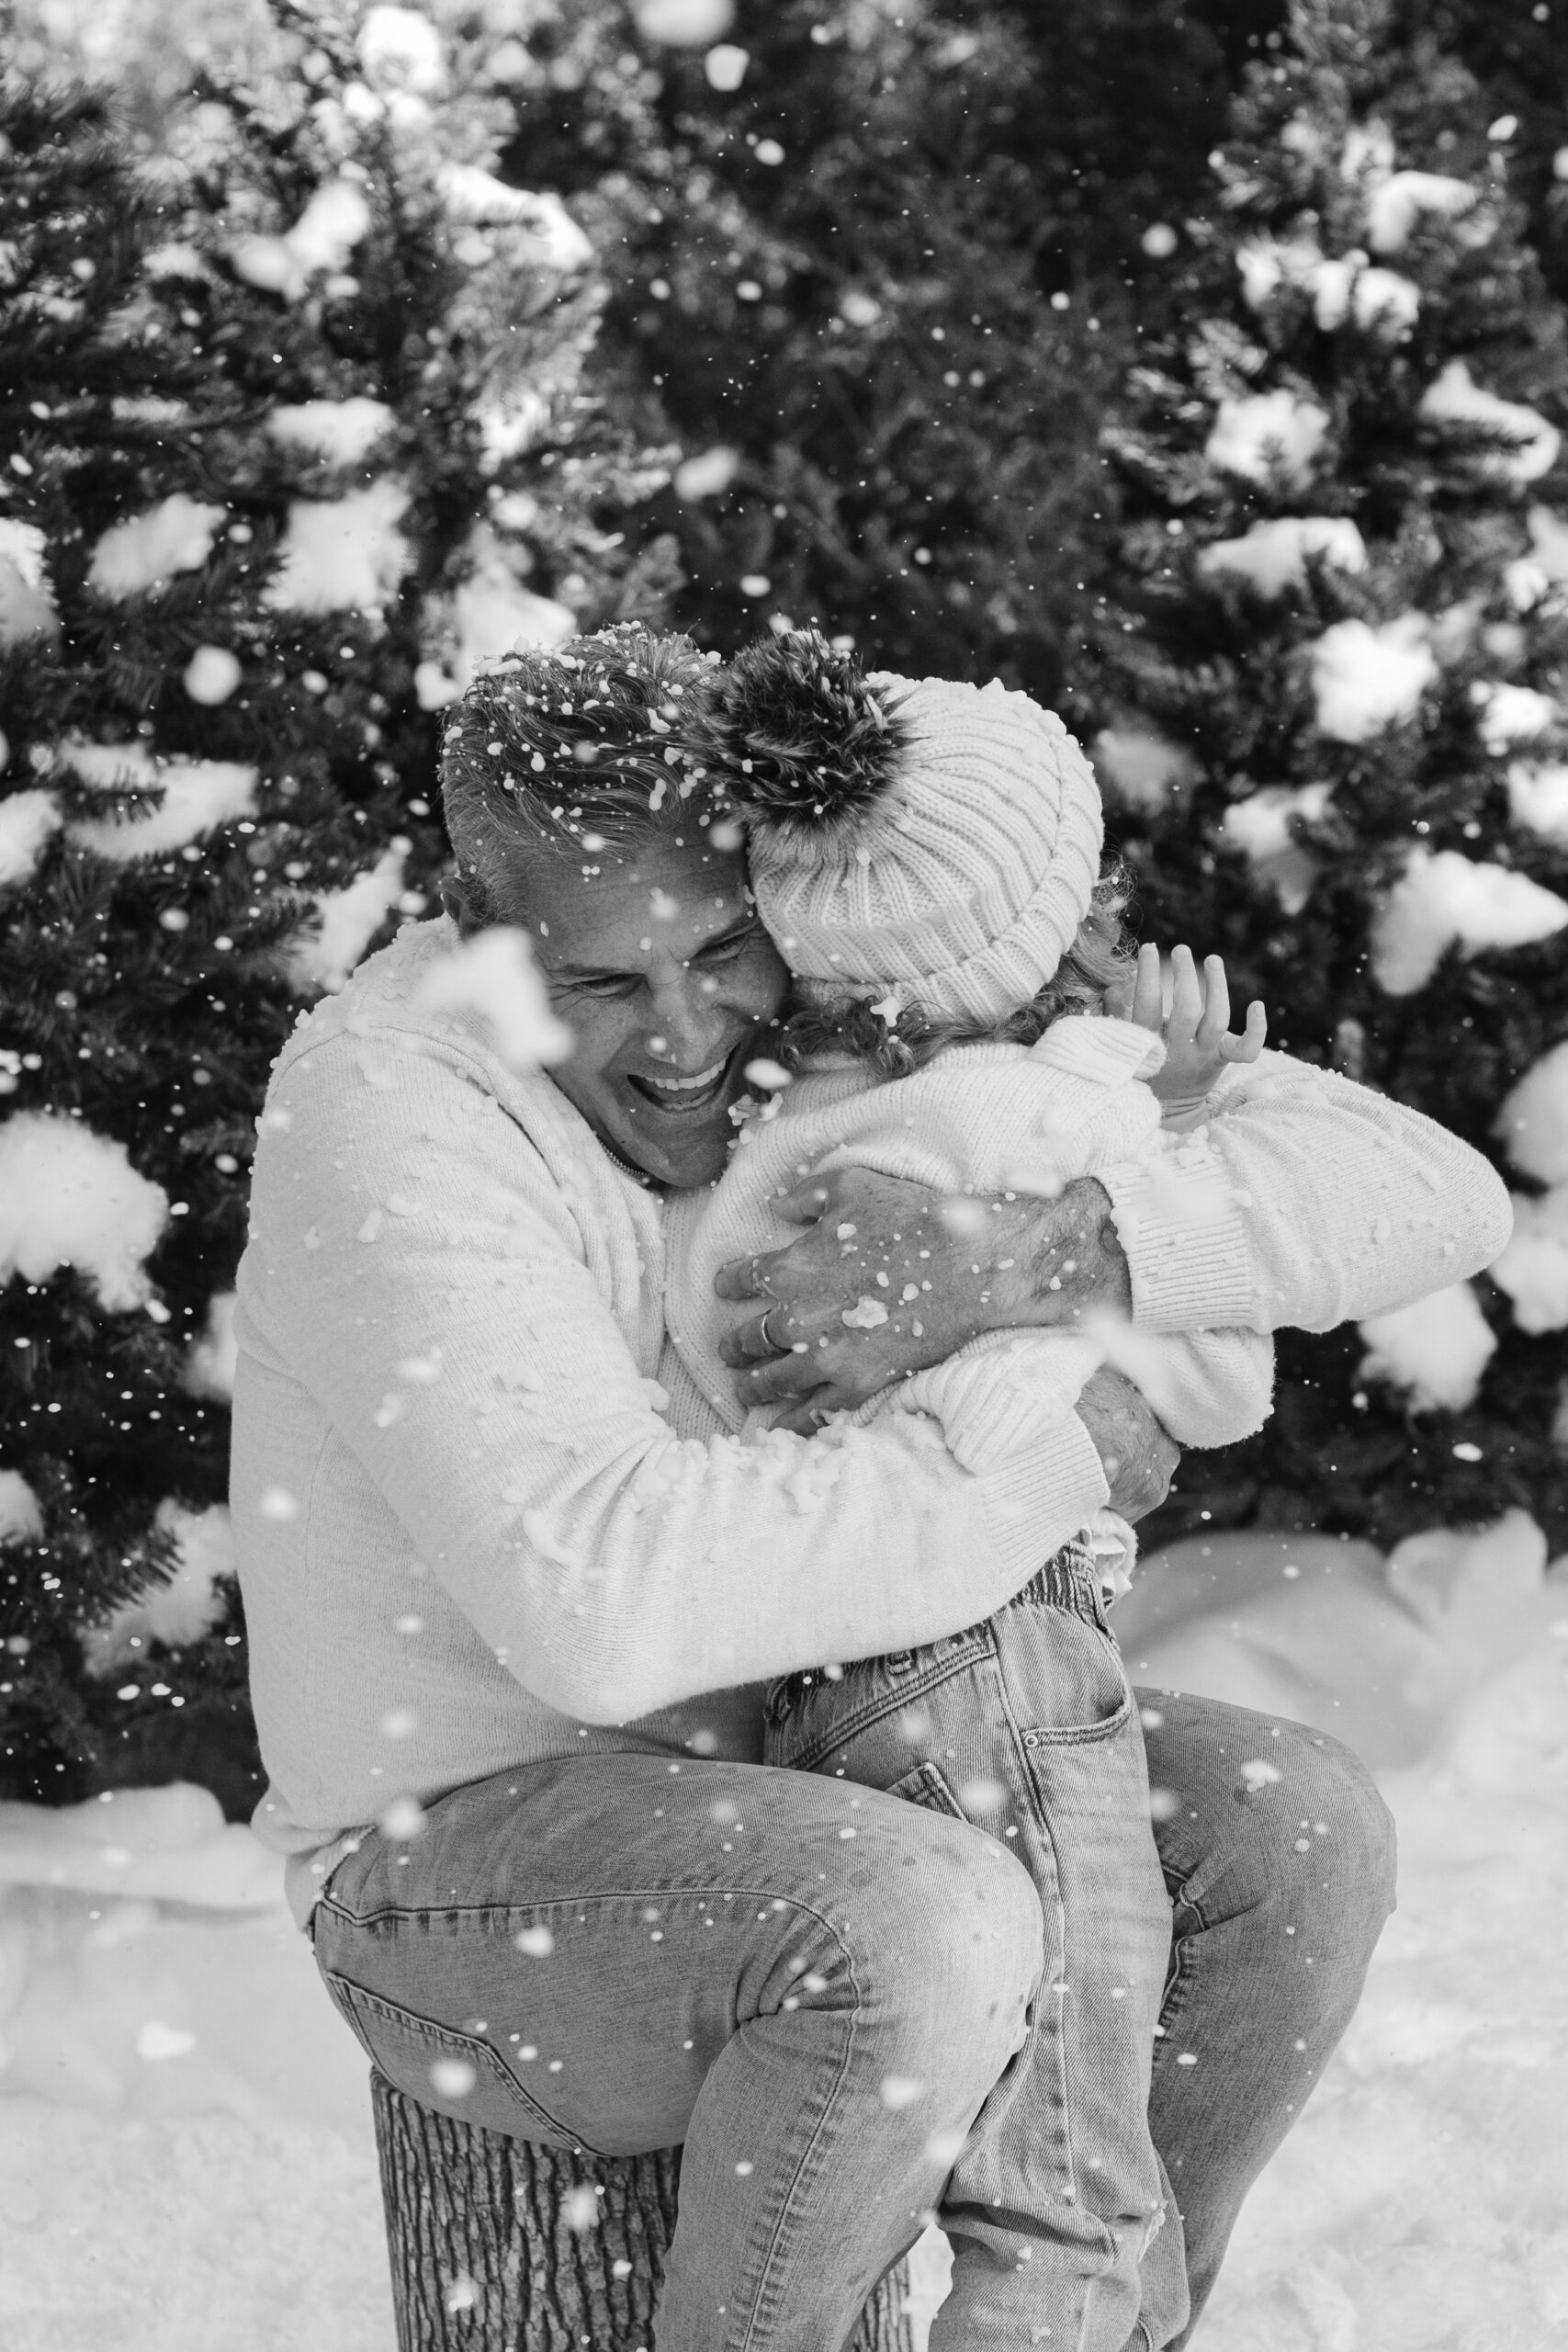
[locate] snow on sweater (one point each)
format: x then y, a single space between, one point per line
978 1118
482 1515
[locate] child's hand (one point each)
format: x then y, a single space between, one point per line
1198 1043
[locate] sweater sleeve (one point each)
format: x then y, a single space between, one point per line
1073 1097
1302 1199
1206 1389
416 1268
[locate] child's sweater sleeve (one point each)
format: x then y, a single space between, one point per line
1207 1389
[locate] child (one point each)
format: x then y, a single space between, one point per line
926 855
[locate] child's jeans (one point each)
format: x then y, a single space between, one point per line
1026 1726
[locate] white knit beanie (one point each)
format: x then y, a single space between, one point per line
919 837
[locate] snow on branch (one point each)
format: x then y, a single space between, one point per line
1537 799
1396 204
180 1607
347 920
543 233
1267 434
1274 556
27 820
343 555
341 432
191 797
336 218
1366 678
21 1514
69 1197
27 605
1443 900
1532 1125
1436 1350
140 555
1523 445
1533 1268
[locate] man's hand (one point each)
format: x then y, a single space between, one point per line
889 1276
1137 1457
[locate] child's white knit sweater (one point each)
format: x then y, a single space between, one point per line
978 1118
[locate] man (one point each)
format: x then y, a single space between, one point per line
511 1595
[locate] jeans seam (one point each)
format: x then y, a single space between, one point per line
1179 1980
1020 1757
567 1902
759 2296
494 2065
763 2303
872 1712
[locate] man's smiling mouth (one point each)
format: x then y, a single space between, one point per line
681 1094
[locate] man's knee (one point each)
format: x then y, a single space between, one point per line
1268 1816
1308 1836
1344 1847
956 1928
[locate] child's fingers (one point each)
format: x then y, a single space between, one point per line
1138 998
1250 1044
1148 991
1186 995
1216 1018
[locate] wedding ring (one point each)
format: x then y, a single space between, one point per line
768 1340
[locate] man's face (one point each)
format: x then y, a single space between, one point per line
658 965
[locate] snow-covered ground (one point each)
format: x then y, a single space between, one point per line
184 2149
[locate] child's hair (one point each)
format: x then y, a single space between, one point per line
1101 954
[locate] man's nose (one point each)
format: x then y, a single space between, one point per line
686 1017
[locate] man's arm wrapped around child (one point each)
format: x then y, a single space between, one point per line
979 1119
1206 1389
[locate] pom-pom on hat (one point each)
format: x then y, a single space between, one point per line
913 836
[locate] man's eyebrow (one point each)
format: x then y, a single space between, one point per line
739 929
593 972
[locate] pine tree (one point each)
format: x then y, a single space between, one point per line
844 286
296 434
876 270
1331 653
1518 52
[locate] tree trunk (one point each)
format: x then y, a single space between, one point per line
502 2245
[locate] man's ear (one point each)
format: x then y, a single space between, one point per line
459 899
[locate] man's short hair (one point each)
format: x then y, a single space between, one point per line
574 750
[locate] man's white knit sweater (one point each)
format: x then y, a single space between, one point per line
484 1517
976 1119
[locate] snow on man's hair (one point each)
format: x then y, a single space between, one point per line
595 740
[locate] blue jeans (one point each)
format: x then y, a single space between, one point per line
622 1952
1026 1726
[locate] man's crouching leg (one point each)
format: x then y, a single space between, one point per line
813 1987
1279 1856
889 1994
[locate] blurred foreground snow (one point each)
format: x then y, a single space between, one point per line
186 2156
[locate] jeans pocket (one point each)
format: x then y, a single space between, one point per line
928 1785
1068 1683
781 1741
458 2074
